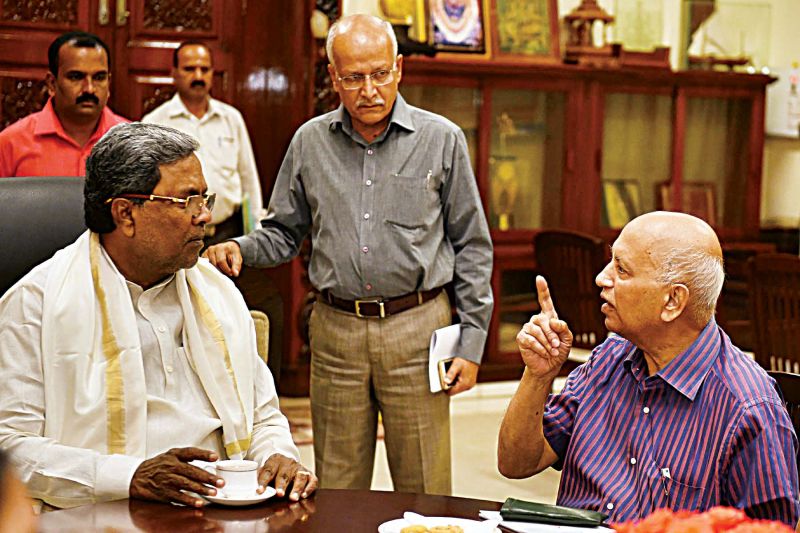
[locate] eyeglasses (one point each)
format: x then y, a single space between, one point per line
379 78
194 204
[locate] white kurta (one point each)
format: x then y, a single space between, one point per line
225 153
179 412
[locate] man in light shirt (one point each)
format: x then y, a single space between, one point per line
225 150
124 357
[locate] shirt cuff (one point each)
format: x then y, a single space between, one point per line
114 475
248 248
470 345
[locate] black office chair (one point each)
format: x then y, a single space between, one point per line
38 216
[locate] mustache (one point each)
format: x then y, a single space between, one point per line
197 83
364 102
87 97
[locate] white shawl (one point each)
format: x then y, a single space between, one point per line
95 393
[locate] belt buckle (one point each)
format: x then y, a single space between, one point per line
378 301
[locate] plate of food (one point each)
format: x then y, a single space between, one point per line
437 524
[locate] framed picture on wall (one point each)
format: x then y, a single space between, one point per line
621 202
698 199
457 25
526 30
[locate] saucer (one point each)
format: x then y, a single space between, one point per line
237 500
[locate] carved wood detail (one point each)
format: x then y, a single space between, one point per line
21 97
160 95
325 98
178 15
48 11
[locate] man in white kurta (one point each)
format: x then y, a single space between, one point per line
123 358
225 149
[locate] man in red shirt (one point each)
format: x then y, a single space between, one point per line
57 140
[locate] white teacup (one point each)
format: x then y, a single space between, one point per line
241 477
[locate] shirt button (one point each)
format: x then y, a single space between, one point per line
369 182
609 506
162 329
646 410
366 216
365 249
369 152
368 286
169 369
633 460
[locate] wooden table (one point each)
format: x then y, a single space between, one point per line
329 510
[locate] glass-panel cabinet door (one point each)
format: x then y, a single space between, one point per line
459 104
716 162
637 154
526 159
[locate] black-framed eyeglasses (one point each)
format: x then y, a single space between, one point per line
379 78
194 204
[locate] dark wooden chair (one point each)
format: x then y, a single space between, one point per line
570 261
788 385
774 281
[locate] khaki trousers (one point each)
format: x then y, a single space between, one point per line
363 366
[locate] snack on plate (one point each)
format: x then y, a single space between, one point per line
434 529
715 520
414 529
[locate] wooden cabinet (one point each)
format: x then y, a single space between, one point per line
587 149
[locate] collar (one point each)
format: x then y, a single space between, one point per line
176 108
689 369
400 115
49 124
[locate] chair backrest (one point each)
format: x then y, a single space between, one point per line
38 216
570 261
789 388
774 282
261 324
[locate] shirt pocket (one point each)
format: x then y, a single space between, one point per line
675 489
228 155
410 201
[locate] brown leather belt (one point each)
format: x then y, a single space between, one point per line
380 307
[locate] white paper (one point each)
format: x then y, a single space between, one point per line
529 527
444 342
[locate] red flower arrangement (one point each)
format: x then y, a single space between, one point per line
714 520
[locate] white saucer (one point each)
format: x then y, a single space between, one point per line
240 500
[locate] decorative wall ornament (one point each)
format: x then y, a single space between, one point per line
178 15
48 11
160 95
325 98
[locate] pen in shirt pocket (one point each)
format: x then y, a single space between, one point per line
665 475
428 179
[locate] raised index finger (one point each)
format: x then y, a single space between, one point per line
545 300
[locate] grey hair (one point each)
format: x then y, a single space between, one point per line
344 24
126 160
702 273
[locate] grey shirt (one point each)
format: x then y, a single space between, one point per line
398 215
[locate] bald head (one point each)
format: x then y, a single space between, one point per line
685 250
364 32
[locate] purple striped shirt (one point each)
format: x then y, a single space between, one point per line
708 429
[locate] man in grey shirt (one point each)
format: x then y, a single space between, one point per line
388 195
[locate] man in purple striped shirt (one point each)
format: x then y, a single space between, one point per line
667 412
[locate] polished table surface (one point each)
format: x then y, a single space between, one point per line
328 510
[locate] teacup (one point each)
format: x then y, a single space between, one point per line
241 477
